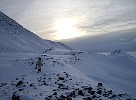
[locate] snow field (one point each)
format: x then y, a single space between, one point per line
64 74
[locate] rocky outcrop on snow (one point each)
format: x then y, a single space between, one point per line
63 87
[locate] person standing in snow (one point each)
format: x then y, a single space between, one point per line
39 64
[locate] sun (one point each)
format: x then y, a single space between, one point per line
66 29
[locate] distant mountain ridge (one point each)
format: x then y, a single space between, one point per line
15 38
124 40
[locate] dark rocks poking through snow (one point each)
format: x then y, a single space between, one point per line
60 84
3 84
49 49
19 83
15 96
53 61
99 84
116 52
61 78
89 93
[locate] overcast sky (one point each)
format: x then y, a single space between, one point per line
90 16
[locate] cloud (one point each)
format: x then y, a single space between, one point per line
92 15
110 16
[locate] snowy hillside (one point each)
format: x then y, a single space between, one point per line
15 38
124 40
66 74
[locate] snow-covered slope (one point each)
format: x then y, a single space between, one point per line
15 38
124 40
67 74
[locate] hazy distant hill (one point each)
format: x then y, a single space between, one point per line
125 40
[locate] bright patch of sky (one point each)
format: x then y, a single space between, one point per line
78 17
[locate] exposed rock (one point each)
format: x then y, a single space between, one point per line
113 96
94 96
68 98
99 92
15 97
92 92
20 89
99 84
31 85
19 83
80 92
61 78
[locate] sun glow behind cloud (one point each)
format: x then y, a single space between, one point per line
73 17
66 28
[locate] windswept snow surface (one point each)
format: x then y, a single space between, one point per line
65 71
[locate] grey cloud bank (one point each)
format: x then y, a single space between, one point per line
93 16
